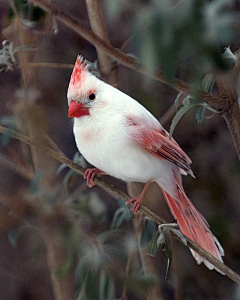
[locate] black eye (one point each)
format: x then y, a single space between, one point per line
91 96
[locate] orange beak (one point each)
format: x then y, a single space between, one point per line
77 110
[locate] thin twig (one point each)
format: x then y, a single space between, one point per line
117 193
216 101
47 65
98 26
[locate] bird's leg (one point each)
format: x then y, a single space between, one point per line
138 201
90 174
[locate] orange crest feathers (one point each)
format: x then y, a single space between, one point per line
79 71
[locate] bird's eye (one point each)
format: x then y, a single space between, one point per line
92 96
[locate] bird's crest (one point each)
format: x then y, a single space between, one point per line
79 72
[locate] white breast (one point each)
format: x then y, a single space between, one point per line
107 146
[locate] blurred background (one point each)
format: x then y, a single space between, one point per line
34 192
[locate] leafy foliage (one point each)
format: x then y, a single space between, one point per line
123 213
30 12
190 31
191 102
149 229
97 266
162 238
71 175
8 60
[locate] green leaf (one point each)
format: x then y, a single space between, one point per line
34 184
200 114
168 250
28 10
177 100
106 286
123 213
160 239
86 273
60 168
66 180
229 57
91 286
6 137
207 83
120 215
152 247
179 234
149 230
179 115
65 268
94 280
186 101
12 122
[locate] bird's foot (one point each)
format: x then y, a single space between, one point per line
136 203
90 175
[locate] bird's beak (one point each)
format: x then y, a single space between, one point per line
77 110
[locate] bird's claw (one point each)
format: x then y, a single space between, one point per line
90 175
136 204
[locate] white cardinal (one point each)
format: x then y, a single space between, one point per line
121 138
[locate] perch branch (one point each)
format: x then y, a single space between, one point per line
117 193
46 65
98 26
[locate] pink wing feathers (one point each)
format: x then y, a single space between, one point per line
190 220
158 143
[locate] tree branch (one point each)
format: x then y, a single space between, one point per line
117 193
95 14
217 102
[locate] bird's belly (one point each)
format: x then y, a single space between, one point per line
119 157
127 163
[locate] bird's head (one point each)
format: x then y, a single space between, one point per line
82 90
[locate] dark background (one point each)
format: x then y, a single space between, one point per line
215 191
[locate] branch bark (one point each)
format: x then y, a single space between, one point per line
232 118
228 87
95 14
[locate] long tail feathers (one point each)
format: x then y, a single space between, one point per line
194 226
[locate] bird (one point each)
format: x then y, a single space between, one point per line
121 138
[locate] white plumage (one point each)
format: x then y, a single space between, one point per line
120 137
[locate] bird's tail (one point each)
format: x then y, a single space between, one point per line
194 225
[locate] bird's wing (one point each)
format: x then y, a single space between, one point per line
157 142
